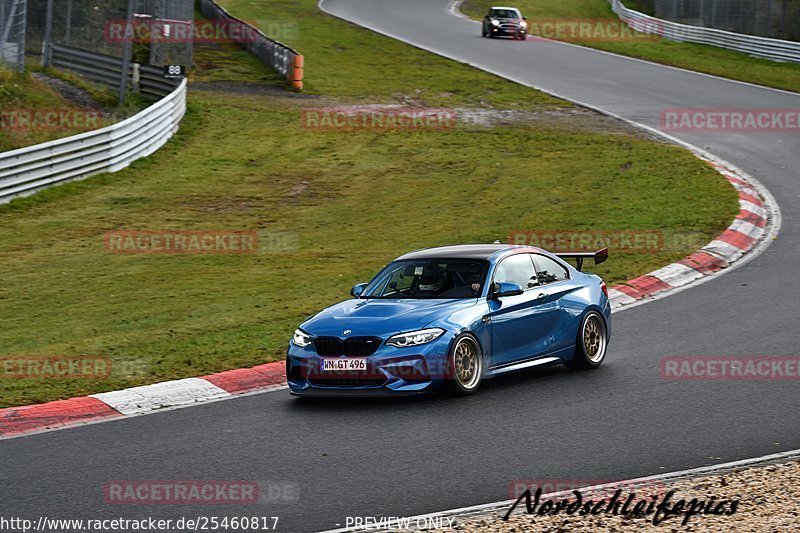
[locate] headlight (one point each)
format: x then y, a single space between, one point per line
415 338
495 22
523 24
301 339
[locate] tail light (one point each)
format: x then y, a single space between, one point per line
604 288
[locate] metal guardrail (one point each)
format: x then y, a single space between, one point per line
107 70
97 67
283 59
775 49
28 170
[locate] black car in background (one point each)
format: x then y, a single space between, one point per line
505 21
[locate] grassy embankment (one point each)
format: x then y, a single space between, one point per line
351 201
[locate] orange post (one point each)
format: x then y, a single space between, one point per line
297 73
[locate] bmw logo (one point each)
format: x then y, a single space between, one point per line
347 332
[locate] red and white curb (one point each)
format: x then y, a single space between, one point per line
750 233
754 225
16 421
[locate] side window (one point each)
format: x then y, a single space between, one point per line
517 269
549 271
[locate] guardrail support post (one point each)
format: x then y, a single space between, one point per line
126 58
136 76
48 35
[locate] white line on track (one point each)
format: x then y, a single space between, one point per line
771 232
142 406
496 509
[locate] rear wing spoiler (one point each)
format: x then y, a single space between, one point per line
599 256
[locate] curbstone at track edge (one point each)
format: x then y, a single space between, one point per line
748 235
497 509
754 224
752 230
17 421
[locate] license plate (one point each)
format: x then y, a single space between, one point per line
349 364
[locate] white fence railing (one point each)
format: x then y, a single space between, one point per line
765 47
28 170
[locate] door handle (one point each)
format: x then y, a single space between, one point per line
541 296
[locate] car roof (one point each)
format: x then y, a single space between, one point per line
465 251
504 7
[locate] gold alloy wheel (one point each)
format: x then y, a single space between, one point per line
468 365
594 338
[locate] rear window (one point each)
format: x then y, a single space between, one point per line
548 270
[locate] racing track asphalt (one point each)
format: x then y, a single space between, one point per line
410 457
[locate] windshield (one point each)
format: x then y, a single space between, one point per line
505 14
429 278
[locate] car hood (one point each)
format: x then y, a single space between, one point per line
373 317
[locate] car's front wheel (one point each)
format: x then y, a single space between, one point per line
591 344
465 363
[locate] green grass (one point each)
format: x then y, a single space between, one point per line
351 201
344 61
702 58
22 92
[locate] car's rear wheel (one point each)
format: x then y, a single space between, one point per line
466 365
591 344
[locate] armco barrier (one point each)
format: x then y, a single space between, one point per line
281 58
107 70
28 170
775 49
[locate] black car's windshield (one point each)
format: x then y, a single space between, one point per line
504 14
429 278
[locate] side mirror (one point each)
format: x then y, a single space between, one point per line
505 289
357 289
524 18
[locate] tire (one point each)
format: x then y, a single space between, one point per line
465 365
591 343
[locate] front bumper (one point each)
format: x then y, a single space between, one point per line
390 371
506 30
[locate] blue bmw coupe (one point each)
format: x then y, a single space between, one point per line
453 316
